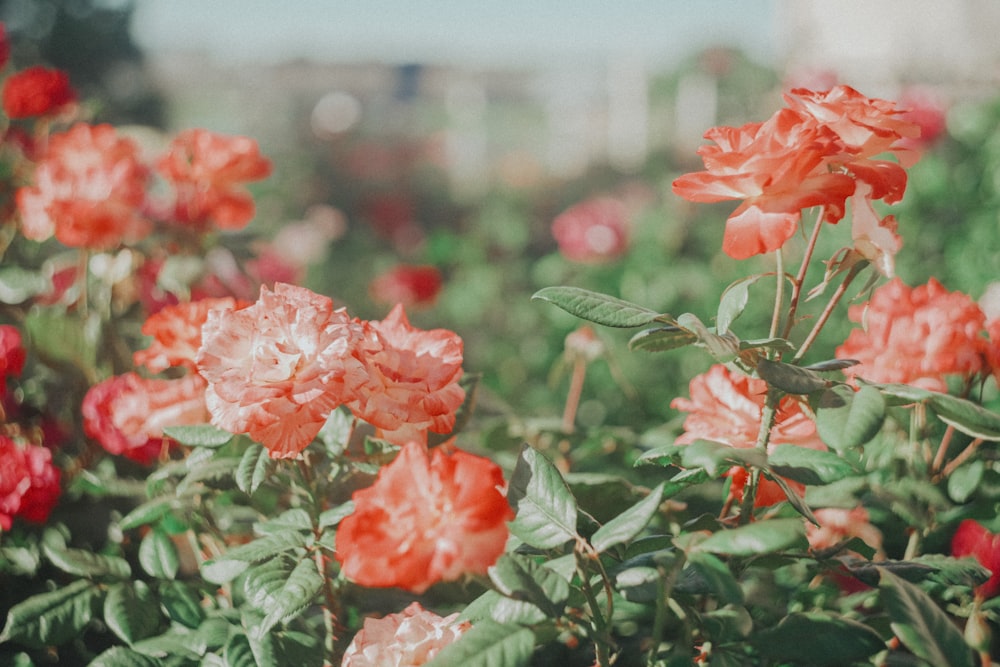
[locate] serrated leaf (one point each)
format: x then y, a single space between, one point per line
661 339
295 595
829 640
295 519
488 644
757 538
238 652
715 456
182 603
846 419
254 467
186 645
147 513
222 570
131 611
733 301
723 347
788 378
808 466
86 563
598 308
119 656
921 625
263 582
216 469
199 435
520 578
158 555
53 618
546 509
331 517
966 416
493 605
628 524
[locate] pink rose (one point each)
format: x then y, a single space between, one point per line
408 639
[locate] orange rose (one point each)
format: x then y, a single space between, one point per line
429 517
176 333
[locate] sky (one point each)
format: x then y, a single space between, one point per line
507 33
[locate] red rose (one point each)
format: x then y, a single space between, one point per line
36 91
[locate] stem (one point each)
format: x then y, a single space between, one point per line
600 623
961 458
825 315
779 292
331 608
768 415
942 449
800 279
573 397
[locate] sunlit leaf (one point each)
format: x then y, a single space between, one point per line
199 435
628 524
546 510
965 479
756 538
53 618
966 416
296 593
254 467
493 605
488 644
131 611
598 308
158 555
520 578
733 301
87 563
147 513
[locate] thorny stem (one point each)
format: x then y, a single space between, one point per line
828 310
969 450
942 449
768 415
800 279
573 397
779 292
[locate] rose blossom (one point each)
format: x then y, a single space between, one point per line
36 91
837 524
593 231
89 188
973 539
4 46
12 354
429 517
127 413
916 336
875 238
29 483
407 639
276 369
176 333
412 383
411 286
727 407
208 171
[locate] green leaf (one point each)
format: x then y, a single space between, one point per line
815 638
598 308
131 612
295 595
903 394
488 644
182 603
846 419
716 456
788 378
264 581
254 467
234 561
921 625
714 575
147 513
87 563
628 524
966 416
17 284
546 509
331 517
661 339
158 555
964 481
493 605
808 466
756 538
520 578
239 653
832 365
186 645
199 435
733 301
119 656
726 625
53 618
58 339
724 348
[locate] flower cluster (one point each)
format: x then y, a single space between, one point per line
817 151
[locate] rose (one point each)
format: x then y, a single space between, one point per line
408 639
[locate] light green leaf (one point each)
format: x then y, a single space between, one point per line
546 509
86 563
158 555
921 625
53 618
846 419
119 656
628 524
494 606
808 466
199 435
520 578
598 308
966 416
733 301
147 513
488 644
18 284
715 456
131 611
756 538
296 593
964 481
172 644
254 467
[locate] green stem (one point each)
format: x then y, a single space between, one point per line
800 279
599 636
828 310
768 415
779 292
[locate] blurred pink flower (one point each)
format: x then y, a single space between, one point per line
29 483
127 413
36 91
277 368
411 286
176 333
413 380
916 336
12 354
593 231
429 517
408 639
208 171
928 111
837 524
88 190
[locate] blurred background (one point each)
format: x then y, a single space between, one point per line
423 151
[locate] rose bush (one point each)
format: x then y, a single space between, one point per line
204 464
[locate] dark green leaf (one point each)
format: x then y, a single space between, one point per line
488 644
628 524
641 583
788 378
238 652
714 576
87 563
726 625
520 578
832 365
661 339
724 348
756 538
775 344
158 555
546 509
921 625
715 456
846 419
598 308
186 645
295 595
200 435
966 416
808 466
147 513
965 479
53 618
131 611
119 656
254 467
819 639
182 603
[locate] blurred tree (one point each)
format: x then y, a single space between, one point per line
90 40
